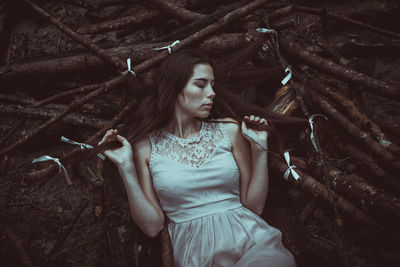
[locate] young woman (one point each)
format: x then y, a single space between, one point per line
195 164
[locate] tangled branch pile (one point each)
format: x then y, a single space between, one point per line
60 75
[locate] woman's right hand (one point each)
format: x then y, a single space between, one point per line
122 157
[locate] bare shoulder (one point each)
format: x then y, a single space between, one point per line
231 126
142 149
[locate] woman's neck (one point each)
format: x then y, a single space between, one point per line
183 126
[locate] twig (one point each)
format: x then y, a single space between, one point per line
355 114
179 13
331 68
318 191
147 65
61 239
120 23
12 131
196 25
355 131
19 246
87 62
80 90
120 64
323 12
46 114
107 87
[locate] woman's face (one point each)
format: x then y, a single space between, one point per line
197 96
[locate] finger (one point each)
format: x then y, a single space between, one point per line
110 135
257 119
244 126
122 139
104 137
264 121
251 117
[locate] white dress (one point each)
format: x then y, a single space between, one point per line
197 183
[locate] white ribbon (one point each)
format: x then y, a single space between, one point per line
264 30
72 142
168 47
83 145
312 136
129 70
60 166
385 143
288 76
289 170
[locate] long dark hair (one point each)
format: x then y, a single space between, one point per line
157 102
157 108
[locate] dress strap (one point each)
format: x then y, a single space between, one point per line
222 129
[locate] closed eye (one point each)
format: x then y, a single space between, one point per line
200 85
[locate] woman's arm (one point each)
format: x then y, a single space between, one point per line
133 167
252 161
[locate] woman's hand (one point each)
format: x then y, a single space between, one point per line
122 156
256 138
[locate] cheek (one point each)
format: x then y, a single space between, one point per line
192 98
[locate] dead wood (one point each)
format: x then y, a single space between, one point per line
184 31
356 132
200 35
285 102
88 62
364 205
279 13
74 119
46 173
358 117
28 102
323 12
387 122
107 87
331 68
318 191
63 236
284 24
357 48
15 99
104 3
81 3
80 90
179 13
120 64
138 69
351 186
18 244
11 132
120 23
309 208
376 173
333 52
373 200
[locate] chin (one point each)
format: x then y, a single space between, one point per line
203 115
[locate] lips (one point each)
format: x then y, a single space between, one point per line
208 106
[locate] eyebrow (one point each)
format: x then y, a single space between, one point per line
202 79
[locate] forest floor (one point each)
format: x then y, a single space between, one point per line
51 223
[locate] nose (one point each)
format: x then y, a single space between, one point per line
210 92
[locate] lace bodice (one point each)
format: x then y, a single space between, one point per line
195 176
191 151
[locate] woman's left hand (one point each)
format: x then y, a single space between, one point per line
255 137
